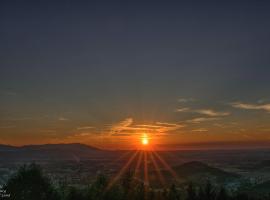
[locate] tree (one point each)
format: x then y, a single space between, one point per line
209 193
29 183
126 183
140 192
97 189
115 193
191 192
222 195
74 194
173 193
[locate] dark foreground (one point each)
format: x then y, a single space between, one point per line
30 183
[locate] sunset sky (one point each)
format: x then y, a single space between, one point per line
189 75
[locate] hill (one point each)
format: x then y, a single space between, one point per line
60 147
49 152
4 147
197 172
196 167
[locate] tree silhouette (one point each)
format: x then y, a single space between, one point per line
97 189
208 192
114 193
74 194
173 193
29 183
126 183
139 193
191 192
222 195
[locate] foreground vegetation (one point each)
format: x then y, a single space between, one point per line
29 183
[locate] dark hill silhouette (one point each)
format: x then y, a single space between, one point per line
49 151
4 147
196 167
263 164
196 171
61 147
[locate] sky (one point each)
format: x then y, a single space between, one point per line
189 74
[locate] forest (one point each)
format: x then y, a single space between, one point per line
31 183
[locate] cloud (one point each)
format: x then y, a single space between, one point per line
160 127
85 127
212 113
200 130
185 109
122 125
202 119
166 127
185 100
128 127
167 124
62 119
245 106
82 134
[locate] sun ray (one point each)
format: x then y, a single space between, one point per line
124 155
157 169
146 176
122 170
166 165
138 164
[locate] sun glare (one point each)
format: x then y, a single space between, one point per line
145 140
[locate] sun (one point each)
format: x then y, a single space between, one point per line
144 140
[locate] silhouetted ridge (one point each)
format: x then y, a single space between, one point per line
4 147
50 152
68 147
196 167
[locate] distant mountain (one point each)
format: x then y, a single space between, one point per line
4 147
258 167
263 164
196 167
61 147
49 151
196 172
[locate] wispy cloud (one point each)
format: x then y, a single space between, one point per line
63 119
202 119
167 124
85 127
185 100
82 134
122 125
185 109
208 112
212 113
166 127
245 106
200 130
127 126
